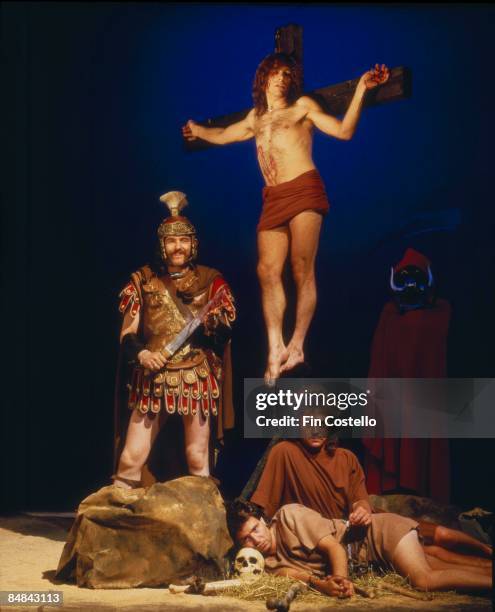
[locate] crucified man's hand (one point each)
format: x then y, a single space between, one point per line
189 131
376 76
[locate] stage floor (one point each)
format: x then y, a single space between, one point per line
30 548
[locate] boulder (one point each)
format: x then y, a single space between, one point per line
147 537
477 523
418 508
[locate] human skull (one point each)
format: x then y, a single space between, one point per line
249 564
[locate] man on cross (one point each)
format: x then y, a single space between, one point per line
294 197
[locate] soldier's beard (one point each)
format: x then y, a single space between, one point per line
178 266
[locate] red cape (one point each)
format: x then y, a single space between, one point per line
411 345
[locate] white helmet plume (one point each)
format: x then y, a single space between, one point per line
175 202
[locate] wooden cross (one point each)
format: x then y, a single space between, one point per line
334 99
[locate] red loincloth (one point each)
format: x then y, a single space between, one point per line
283 202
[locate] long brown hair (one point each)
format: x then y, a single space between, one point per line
269 63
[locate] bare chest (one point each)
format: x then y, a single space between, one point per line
279 126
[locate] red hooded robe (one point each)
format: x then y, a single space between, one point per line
410 345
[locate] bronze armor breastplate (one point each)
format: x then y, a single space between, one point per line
162 319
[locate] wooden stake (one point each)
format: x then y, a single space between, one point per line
402 591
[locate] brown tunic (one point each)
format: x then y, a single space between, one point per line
298 530
327 483
284 201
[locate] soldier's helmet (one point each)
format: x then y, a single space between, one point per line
176 224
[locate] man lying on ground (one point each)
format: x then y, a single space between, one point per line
301 543
315 472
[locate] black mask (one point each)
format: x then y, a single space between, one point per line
413 288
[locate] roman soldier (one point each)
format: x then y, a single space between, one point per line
177 319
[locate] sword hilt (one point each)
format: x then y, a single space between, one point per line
165 353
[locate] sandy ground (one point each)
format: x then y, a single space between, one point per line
31 547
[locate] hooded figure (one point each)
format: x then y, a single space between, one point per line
410 341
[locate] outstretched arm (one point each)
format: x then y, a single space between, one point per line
334 586
344 129
237 132
330 548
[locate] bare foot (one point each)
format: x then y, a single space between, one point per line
296 357
275 360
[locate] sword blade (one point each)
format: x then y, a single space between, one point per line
182 336
193 324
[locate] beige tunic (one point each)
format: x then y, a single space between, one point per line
298 530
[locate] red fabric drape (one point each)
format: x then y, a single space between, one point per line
411 345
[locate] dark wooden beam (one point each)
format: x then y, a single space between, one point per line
334 99
289 39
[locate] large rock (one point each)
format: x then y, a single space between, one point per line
478 523
418 508
147 537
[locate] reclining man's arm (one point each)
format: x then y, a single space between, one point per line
333 553
337 557
336 584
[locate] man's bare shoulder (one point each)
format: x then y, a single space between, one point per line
308 103
290 513
250 117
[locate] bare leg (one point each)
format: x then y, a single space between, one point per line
454 539
438 563
305 232
273 246
197 437
141 434
457 558
410 560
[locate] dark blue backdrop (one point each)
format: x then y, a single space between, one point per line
95 100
